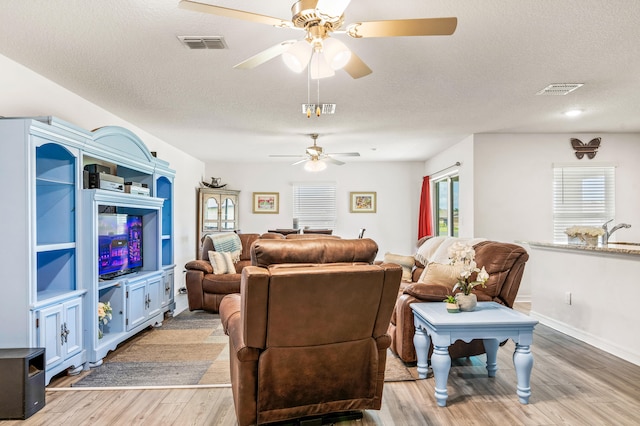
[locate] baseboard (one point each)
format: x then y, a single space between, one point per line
588 338
526 298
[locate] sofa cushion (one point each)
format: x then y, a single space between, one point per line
440 273
222 262
406 262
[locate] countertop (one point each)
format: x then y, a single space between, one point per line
626 248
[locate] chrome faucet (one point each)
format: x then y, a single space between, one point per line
607 232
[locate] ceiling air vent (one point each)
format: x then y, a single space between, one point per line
201 42
324 108
559 88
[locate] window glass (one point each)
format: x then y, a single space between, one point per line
582 196
314 205
446 206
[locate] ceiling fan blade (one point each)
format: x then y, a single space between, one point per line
333 160
233 13
265 55
345 154
356 68
299 162
403 27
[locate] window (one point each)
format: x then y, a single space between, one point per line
583 196
314 205
446 205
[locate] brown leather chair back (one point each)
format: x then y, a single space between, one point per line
316 314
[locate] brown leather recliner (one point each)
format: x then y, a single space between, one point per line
307 332
505 264
205 289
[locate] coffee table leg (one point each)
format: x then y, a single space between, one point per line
491 348
441 364
421 341
523 363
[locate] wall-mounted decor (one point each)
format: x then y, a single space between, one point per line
266 202
362 202
590 148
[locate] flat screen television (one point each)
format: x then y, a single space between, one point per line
119 244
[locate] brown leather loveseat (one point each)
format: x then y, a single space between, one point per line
308 331
505 264
205 289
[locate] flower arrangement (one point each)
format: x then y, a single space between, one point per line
584 235
591 231
463 256
104 316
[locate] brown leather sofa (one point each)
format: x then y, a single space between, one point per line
505 264
308 330
205 289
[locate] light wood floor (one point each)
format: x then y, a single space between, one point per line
572 384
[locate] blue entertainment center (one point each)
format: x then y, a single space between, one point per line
55 245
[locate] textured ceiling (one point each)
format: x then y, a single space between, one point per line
425 93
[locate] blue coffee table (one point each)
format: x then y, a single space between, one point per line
491 322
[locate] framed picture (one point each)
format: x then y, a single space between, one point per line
362 202
266 202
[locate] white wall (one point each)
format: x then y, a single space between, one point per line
513 182
397 185
25 94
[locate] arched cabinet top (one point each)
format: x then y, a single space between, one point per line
129 148
123 142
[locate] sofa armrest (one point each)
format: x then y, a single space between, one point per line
427 292
200 265
383 342
232 324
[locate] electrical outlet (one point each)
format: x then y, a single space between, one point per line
567 298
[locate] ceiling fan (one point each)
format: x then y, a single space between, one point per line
315 158
319 19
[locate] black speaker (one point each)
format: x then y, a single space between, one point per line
21 382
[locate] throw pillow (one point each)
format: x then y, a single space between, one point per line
406 262
221 262
440 273
441 255
428 248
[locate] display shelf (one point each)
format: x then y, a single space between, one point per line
55 163
113 295
56 272
164 190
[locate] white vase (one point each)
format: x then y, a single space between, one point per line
466 302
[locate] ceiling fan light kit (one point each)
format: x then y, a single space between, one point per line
315 165
320 19
297 56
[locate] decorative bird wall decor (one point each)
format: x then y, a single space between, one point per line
582 148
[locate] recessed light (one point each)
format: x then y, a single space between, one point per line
573 112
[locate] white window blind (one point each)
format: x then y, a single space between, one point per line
583 196
314 205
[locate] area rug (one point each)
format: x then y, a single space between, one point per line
189 349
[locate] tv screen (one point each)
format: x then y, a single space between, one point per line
119 244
